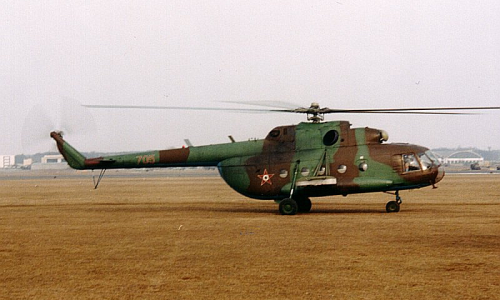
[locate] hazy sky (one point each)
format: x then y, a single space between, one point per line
342 54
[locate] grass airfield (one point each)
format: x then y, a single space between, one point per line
161 237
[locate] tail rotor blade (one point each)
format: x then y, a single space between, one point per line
36 129
67 116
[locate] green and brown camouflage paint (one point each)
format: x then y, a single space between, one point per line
351 160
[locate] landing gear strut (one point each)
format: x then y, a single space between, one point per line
393 206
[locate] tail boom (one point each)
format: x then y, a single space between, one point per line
210 155
152 159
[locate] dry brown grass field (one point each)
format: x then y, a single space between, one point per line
195 238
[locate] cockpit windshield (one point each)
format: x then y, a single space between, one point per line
425 160
428 159
433 157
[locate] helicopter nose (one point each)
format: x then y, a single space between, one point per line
440 174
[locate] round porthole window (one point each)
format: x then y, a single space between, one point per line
330 138
322 171
341 169
304 171
283 173
274 133
363 167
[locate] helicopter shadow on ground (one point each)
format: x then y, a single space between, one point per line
346 211
233 208
274 210
361 210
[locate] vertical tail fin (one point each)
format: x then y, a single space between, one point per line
74 158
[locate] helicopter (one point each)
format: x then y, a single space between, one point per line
296 162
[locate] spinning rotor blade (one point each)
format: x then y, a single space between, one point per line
417 110
315 112
65 115
37 125
404 113
185 108
270 103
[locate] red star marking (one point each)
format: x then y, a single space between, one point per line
266 178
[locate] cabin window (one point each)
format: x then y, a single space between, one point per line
330 138
342 169
363 166
410 163
322 171
283 173
304 171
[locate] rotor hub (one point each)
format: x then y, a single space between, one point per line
314 113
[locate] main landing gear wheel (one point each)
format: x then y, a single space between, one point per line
392 206
288 207
304 205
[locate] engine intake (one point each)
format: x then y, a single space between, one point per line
375 136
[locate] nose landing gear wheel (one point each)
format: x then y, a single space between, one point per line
288 206
392 206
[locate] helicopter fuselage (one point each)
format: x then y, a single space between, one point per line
304 160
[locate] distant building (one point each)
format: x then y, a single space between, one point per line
7 161
463 157
27 162
52 159
51 162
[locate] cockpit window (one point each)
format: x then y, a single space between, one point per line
410 163
433 157
425 160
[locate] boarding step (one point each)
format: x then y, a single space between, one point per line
316 181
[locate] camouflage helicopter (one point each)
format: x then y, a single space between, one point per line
296 162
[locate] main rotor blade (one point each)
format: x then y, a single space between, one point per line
404 113
186 108
416 110
270 103
408 111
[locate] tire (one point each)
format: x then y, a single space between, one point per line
288 207
392 206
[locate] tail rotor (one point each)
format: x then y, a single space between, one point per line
66 116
